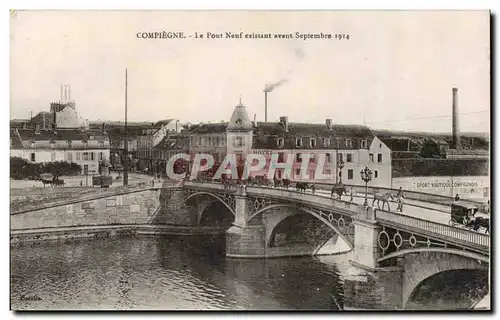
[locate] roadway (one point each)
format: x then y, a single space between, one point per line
419 209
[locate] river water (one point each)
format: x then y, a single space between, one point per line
169 273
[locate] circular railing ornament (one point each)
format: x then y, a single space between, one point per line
379 241
398 240
330 217
341 223
413 241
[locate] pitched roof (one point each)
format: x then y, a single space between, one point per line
205 128
314 129
240 121
161 123
61 134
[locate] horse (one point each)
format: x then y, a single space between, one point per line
301 186
339 190
278 183
58 182
45 182
286 183
384 197
479 222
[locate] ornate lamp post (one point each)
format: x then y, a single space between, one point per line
366 176
340 164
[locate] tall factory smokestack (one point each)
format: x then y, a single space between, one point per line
455 127
265 106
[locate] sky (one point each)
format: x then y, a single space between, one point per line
395 71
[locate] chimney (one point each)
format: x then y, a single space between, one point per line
54 120
265 106
284 122
455 127
254 118
329 123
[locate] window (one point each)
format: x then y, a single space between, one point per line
371 157
376 174
92 156
85 156
281 157
298 158
278 173
380 146
69 143
328 158
340 157
100 156
281 142
70 156
77 156
32 157
101 143
348 143
298 142
313 158
312 143
364 144
297 171
326 142
52 156
311 174
350 174
33 145
379 157
238 142
349 157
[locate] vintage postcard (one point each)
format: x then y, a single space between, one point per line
250 160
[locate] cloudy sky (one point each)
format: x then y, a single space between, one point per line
396 70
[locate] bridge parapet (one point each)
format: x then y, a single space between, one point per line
447 236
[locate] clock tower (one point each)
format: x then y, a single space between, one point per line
239 133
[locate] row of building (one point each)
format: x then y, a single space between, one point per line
61 135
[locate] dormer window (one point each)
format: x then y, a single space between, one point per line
281 142
326 142
32 144
52 144
298 142
348 143
85 144
101 143
69 142
364 144
312 142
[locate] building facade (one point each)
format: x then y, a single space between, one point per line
86 148
354 147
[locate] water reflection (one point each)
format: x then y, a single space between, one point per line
168 273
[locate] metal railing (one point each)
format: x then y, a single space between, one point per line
412 195
431 228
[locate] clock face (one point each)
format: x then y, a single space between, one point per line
238 121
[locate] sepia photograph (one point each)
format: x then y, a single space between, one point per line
259 160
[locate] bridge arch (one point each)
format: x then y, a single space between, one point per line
213 196
422 263
275 223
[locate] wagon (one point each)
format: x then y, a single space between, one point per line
462 213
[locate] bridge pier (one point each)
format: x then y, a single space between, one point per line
366 248
244 240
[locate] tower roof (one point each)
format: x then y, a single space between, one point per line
240 121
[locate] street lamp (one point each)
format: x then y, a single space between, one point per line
340 164
366 176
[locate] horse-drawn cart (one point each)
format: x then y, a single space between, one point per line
462 213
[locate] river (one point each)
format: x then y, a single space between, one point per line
169 273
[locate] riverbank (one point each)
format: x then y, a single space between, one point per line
26 236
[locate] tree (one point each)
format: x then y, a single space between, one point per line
430 149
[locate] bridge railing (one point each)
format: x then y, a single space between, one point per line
314 199
412 195
430 228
